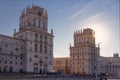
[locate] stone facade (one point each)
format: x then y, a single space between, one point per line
62 65
109 66
31 48
12 52
84 53
86 60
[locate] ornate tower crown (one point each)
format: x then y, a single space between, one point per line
83 37
34 17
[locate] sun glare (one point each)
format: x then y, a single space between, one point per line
102 34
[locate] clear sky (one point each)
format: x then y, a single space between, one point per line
66 16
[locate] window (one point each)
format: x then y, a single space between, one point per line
17 49
28 24
11 54
45 39
34 22
30 59
30 48
16 63
50 62
20 63
0 69
21 48
10 62
0 49
44 25
40 61
36 37
39 13
45 49
41 38
5 62
35 56
21 56
39 24
41 48
6 45
36 47
16 57
35 64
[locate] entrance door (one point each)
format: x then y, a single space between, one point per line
40 71
10 69
21 71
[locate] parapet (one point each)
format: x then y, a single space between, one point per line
87 31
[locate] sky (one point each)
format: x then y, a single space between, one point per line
67 16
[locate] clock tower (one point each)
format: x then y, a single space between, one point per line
38 42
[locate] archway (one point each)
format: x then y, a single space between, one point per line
35 68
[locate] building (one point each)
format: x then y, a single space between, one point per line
110 66
62 65
84 53
30 49
86 60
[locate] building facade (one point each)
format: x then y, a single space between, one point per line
84 53
110 66
62 65
86 60
31 47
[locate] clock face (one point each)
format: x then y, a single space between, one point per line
39 13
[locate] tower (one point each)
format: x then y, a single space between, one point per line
84 53
38 42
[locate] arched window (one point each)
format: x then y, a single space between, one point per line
35 65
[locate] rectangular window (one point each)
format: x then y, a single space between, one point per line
45 39
41 48
21 57
16 62
36 37
36 47
45 49
39 24
6 45
5 62
41 38
0 49
10 62
20 63
16 57
34 20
